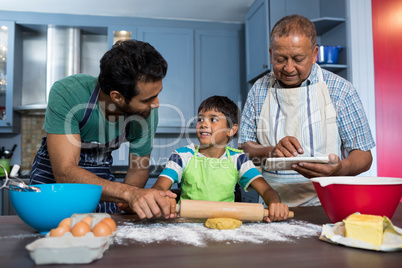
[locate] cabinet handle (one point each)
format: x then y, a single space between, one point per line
265 66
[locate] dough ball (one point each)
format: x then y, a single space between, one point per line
223 223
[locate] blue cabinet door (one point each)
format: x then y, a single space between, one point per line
8 51
218 65
177 97
257 39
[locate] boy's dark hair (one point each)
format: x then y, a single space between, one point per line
128 62
224 105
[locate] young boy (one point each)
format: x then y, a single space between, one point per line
211 170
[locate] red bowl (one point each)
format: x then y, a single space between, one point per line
342 196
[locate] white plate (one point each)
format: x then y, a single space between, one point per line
335 233
285 163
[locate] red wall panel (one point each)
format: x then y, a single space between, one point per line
387 38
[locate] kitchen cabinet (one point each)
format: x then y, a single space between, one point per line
177 47
257 39
201 63
328 16
52 52
10 53
218 71
176 101
328 35
175 39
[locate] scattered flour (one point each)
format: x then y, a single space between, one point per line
197 235
21 236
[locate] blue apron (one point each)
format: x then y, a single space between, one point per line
95 157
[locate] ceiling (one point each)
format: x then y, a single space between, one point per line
232 11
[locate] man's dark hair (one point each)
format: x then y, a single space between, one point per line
224 105
128 62
294 25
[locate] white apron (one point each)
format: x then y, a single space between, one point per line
308 114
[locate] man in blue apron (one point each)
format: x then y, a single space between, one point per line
88 117
300 109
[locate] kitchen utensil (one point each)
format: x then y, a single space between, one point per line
15 184
328 54
5 164
213 209
12 151
44 211
7 154
342 196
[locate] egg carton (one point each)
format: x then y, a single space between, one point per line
68 249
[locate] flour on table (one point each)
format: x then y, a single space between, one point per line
21 236
197 234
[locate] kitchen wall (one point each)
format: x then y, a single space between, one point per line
32 133
387 28
31 136
202 35
28 141
10 139
164 144
361 67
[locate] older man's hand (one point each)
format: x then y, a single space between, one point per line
311 170
287 147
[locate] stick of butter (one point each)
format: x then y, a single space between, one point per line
367 228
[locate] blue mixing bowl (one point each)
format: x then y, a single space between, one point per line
44 210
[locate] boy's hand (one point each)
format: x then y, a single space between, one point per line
277 212
124 207
172 203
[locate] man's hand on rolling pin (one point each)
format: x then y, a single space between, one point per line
288 147
277 212
170 200
149 203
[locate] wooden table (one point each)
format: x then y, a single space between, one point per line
304 252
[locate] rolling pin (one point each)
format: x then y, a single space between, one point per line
213 209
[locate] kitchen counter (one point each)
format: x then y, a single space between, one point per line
121 171
303 252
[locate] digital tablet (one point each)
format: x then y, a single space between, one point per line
285 163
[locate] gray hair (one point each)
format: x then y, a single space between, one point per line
294 25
